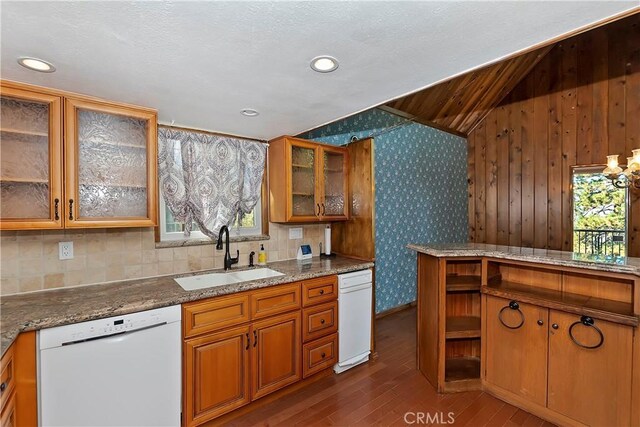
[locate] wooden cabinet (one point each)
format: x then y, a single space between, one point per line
516 347
319 290
108 176
590 369
276 354
110 150
319 355
31 161
18 388
308 182
216 374
319 321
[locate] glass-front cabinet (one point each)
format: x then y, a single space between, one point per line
113 152
107 177
307 181
30 159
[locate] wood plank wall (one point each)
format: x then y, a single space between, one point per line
578 104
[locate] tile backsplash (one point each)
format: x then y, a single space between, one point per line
29 259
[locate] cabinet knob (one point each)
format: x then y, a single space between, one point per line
3 386
540 322
323 355
321 291
322 321
554 326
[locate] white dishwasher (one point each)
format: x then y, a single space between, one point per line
119 371
354 319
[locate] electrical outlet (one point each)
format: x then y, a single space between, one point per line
65 250
295 233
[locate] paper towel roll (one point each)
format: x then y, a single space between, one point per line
327 240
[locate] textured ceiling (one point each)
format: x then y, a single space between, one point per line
459 104
200 63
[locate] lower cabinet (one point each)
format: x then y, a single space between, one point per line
516 340
565 364
276 353
8 413
221 359
590 374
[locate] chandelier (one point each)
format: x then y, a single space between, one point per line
624 178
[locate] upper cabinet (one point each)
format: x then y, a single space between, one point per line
307 181
101 174
30 159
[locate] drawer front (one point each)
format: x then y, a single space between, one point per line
214 314
319 321
7 376
322 289
280 299
319 355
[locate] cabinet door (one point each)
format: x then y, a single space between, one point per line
216 376
304 202
31 160
516 348
334 172
8 414
590 385
110 165
276 355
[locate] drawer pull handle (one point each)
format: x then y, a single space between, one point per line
318 205
321 291
56 210
513 305
323 211
555 326
322 321
71 209
323 355
589 322
248 341
255 338
3 386
540 322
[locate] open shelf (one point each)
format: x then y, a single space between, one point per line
462 368
462 327
24 132
462 283
615 311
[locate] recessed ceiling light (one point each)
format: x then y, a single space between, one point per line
324 64
249 112
36 64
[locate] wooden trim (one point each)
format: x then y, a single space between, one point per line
72 105
26 379
420 120
395 310
55 158
635 380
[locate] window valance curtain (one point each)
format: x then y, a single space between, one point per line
207 179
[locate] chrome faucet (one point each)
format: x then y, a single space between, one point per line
228 260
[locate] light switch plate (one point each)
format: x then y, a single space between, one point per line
65 250
295 233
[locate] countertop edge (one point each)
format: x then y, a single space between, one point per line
534 258
8 337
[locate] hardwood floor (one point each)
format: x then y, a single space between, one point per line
380 393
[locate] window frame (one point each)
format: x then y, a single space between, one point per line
593 169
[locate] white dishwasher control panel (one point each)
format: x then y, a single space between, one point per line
86 331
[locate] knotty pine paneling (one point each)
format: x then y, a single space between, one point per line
578 104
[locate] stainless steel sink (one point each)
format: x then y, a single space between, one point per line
203 281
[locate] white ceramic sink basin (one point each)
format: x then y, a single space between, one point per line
203 281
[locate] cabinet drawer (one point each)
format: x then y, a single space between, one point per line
319 355
214 314
8 413
322 289
319 321
276 300
7 376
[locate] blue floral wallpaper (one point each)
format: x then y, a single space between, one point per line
421 194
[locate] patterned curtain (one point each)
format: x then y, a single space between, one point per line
207 179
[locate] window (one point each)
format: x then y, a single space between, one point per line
600 213
170 229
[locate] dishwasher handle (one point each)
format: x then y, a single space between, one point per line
355 288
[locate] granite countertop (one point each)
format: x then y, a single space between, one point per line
612 264
45 309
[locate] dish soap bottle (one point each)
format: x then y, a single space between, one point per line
262 256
